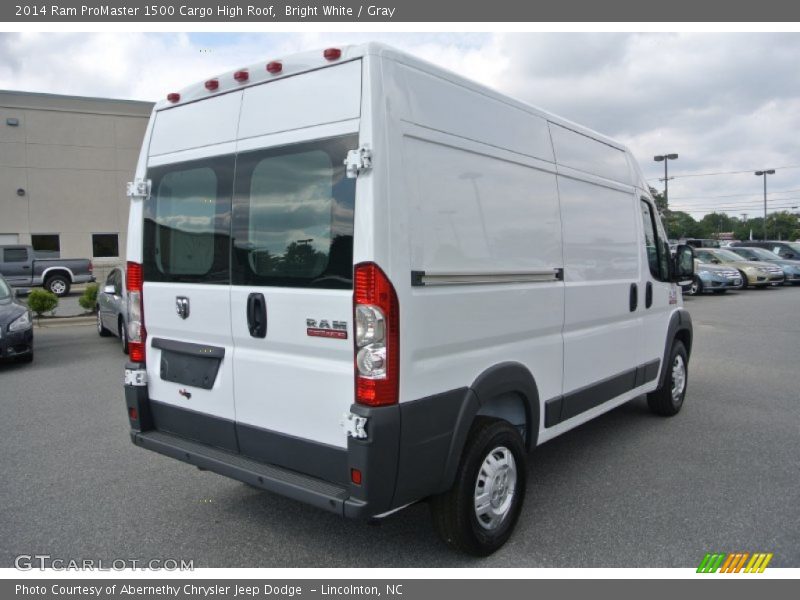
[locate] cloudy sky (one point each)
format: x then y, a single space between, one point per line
727 103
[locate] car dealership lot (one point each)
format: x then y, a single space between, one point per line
627 489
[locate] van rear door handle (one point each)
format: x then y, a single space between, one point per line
634 297
257 315
648 295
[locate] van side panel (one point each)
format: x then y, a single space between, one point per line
601 263
475 200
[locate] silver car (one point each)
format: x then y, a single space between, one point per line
112 308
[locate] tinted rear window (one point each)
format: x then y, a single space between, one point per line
293 216
187 222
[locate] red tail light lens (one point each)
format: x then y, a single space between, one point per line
241 76
137 335
173 97
274 67
212 84
377 340
332 53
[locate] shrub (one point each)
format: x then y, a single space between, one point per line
88 299
42 301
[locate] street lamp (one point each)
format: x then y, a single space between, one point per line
665 158
764 175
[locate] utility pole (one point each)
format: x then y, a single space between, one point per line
665 158
764 174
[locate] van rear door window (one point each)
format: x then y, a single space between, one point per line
187 222
293 216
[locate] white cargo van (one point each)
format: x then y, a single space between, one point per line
361 281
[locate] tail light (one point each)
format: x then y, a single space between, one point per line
212 84
173 97
241 76
137 335
275 67
332 53
377 339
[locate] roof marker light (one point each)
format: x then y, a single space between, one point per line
332 53
173 96
241 76
212 84
275 67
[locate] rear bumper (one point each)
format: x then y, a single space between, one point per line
291 484
398 466
84 279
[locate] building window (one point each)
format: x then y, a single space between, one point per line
46 245
105 245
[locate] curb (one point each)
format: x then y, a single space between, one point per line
66 322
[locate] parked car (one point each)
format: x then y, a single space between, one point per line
701 243
366 337
787 250
21 269
112 308
756 274
791 268
713 278
16 326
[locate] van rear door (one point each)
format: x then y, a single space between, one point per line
292 268
186 270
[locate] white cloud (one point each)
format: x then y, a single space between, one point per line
724 102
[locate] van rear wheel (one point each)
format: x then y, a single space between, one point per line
478 514
668 399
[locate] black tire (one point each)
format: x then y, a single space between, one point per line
696 289
58 284
744 281
454 512
123 336
665 401
101 330
719 291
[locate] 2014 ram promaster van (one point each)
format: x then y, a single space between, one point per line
360 281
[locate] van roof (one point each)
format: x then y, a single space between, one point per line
301 62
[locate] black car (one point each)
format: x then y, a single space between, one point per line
16 326
787 250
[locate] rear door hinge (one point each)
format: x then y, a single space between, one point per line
358 161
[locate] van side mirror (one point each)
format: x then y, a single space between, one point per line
683 264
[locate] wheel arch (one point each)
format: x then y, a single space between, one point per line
680 329
506 391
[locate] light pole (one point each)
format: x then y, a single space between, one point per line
764 174
665 158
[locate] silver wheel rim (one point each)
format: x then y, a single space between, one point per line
495 488
58 287
99 323
678 378
693 290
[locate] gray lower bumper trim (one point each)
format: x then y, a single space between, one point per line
287 483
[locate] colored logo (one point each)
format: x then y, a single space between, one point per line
735 562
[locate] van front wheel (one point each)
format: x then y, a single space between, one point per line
668 399
478 514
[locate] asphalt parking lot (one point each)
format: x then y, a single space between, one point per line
628 489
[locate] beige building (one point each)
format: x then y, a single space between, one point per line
64 163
